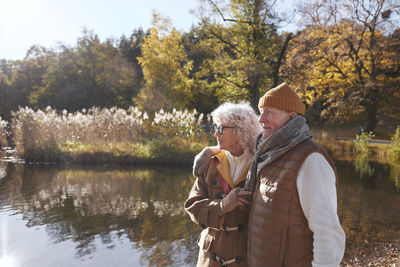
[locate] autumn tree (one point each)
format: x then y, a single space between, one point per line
341 58
165 68
245 48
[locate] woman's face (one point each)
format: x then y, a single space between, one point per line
227 139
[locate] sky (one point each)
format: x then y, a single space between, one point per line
24 23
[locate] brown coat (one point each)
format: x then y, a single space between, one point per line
278 230
204 209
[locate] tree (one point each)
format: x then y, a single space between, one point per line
204 97
165 68
93 73
245 49
131 50
343 50
21 78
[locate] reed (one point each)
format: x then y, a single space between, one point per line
109 134
3 133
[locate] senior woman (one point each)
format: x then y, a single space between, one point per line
215 198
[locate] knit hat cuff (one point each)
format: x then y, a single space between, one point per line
283 103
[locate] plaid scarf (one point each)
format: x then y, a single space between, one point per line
278 143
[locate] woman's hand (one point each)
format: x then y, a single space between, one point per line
234 199
201 160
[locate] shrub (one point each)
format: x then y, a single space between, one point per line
361 143
394 150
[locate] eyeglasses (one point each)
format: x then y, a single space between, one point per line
221 128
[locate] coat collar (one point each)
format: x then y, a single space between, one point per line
224 170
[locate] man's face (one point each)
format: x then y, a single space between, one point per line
272 119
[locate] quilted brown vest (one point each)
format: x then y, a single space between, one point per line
278 230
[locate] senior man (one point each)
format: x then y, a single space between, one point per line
293 217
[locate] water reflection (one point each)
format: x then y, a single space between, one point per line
395 173
144 208
363 165
369 209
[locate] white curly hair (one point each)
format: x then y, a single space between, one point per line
245 120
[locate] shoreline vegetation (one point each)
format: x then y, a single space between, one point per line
105 136
130 136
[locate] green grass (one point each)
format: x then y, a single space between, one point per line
169 151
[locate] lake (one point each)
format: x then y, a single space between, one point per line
54 215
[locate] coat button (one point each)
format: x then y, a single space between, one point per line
203 226
214 182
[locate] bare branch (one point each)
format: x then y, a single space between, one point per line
220 38
220 12
232 82
339 70
358 62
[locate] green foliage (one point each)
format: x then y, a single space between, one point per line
361 142
18 79
362 153
395 174
242 52
394 150
154 151
92 74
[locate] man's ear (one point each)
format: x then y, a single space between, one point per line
292 114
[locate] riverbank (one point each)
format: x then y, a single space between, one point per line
172 151
342 147
386 254
150 152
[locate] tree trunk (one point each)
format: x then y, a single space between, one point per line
275 82
372 112
255 96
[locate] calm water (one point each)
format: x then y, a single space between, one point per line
113 216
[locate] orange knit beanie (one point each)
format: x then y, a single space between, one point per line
283 97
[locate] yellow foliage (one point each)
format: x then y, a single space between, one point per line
166 70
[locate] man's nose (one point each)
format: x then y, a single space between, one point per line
262 118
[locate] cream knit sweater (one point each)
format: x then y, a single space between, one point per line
317 192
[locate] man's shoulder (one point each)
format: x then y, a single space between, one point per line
309 146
